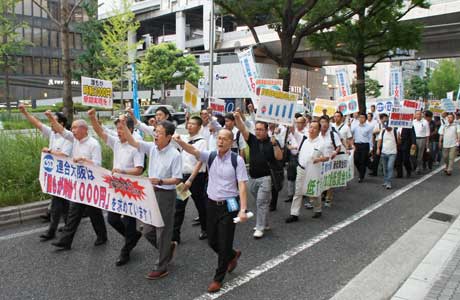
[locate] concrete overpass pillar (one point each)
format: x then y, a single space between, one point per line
180 30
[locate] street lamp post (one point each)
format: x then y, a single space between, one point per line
211 51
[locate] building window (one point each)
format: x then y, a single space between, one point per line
44 3
45 66
54 66
53 7
71 43
37 66
37 37
28 34
18 8
45 38
27 65
19 69
54 43
20 34
37 11
27 7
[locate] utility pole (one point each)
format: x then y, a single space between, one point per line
211 52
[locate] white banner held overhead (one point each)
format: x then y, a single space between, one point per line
250 73
396 85
343 82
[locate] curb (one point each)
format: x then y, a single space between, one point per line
19 213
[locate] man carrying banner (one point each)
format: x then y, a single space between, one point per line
194 177
263 152
449 140
57 146
362 139
311 154
126 160
227 194
294 139
164 171
85 149
332 147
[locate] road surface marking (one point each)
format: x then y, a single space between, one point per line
272 263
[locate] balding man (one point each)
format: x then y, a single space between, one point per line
85 149
227 194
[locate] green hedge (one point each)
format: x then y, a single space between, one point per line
20 165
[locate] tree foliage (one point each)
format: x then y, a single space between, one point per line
89 62
11 42
374 34
293 20
445 78
417 87
115 46
165 65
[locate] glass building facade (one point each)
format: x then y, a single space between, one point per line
38 74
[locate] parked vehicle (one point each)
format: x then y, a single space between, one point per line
177 117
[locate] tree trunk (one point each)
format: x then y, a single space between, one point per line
122 103
163 94
7 84
67 71
361 83
285 74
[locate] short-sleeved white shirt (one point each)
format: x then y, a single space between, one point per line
125 156
87 147
389 143
449 134
164 163
188 160
56 141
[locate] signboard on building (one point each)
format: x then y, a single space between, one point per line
96 92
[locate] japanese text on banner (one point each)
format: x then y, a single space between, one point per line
95 186
276 107
96 92
330 174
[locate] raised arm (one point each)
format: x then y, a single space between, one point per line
129 137
276 148
240 125
96 126
187 147
57 127
34 121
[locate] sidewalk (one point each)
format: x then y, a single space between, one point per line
438 275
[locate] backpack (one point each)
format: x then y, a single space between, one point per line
394 133
234 159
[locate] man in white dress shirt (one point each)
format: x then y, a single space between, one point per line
422 135
126 160
164 171
85 149
57 146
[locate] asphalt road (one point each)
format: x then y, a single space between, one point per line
34 270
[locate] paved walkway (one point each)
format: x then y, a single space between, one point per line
438 275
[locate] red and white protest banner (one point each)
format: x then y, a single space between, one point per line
217 105
403 116
95 186
96 92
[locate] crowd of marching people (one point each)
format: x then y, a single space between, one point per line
223 158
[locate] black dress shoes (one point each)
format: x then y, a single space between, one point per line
203 235
61 245
122 260
46 237
316 215
292 219
100 241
